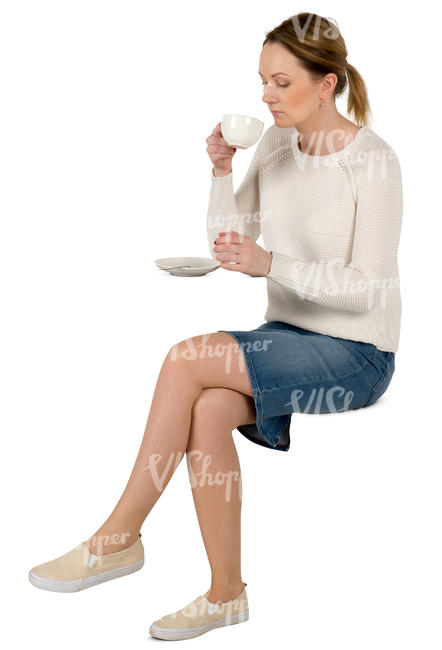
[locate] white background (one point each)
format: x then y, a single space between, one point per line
104 112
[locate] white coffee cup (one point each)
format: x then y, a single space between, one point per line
241 131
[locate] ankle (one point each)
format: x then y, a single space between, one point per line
225 592
104 544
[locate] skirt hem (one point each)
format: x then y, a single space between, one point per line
268 440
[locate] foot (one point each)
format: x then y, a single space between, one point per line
104 541
199 617
224 595
78 569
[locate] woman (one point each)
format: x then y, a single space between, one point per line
326 195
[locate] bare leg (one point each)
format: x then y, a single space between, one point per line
215 476
204 361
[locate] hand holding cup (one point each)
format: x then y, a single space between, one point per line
220 153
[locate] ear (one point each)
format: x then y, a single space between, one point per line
329 82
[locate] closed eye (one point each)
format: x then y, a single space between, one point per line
280 85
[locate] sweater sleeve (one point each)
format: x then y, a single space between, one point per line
239 211
359 285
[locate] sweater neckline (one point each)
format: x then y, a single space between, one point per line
306 157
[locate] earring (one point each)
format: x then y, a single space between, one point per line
323 103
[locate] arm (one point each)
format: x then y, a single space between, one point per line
229 210
359 285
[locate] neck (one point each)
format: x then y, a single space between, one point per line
324 132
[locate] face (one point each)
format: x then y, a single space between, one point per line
294 93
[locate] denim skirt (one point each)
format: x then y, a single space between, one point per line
295 370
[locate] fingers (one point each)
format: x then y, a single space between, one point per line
216 140
235 249
219 148
219 142
220 153
232 237
232 267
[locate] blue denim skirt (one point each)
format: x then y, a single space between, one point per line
295 370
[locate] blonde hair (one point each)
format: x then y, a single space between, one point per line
320 49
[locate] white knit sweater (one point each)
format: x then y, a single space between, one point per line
332 224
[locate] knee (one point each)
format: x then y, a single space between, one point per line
201 346
211 419
184 350
176 352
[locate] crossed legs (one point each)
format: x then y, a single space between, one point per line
202 393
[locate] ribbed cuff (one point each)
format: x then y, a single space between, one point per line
293 273
227 177
280 266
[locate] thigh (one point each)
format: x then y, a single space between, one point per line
294 370
214 360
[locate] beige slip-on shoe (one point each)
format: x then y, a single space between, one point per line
79 568
200 616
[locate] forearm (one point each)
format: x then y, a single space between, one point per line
229 210
331 283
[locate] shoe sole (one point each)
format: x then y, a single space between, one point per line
189 633
77 585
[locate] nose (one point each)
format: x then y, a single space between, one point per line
268 99
268 96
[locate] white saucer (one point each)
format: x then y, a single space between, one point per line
198 265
